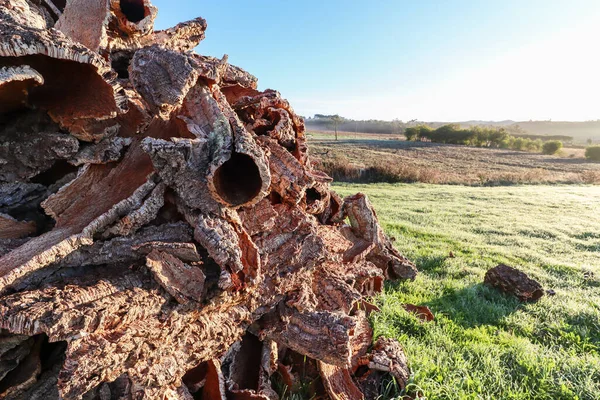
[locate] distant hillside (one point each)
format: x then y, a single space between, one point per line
483 123
580 131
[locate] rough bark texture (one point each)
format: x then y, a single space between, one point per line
510 280
163 233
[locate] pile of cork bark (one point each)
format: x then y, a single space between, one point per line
163 233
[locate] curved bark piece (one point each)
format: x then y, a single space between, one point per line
24 376
283 131
93 305
334 211
195 378
163 78
107 150
244 178
214 388
78 84
13 348
182 165
258 218
388 356
236 77
15 196
98 188
338 383
184 251
317 198
38 253
289 178
335 242
15 83
10 228
422 312
140 216
294 245
511 280
187 337
227 76
255 107
184 282
368 278
362 339
230 247
182 37
333 293
70 233
267 113
25 12
133 17
128 249
85 22
211 69
365 226
250 368
320 335
24 153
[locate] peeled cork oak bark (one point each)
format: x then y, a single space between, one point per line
163 232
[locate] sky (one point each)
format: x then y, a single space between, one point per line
429 60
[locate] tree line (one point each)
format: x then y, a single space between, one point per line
332 122
492 137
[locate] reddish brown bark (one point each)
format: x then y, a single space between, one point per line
513 281
163 233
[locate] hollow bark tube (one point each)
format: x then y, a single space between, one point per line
237 181
135 18
133 10
238 171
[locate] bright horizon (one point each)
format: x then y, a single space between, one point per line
456 61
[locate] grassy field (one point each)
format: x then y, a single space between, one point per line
388 158
483 344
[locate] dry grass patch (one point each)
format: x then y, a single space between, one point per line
380 158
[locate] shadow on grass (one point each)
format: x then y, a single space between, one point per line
432 265
474 305
471 306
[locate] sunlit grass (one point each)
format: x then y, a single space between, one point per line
485 345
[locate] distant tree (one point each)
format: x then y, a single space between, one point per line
519 144
592 153
497 136
590 141
538 144
418 132
450 133
412 133
336 120
552 147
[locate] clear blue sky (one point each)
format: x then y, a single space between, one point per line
429 60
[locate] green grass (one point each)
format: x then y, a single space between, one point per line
483 344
